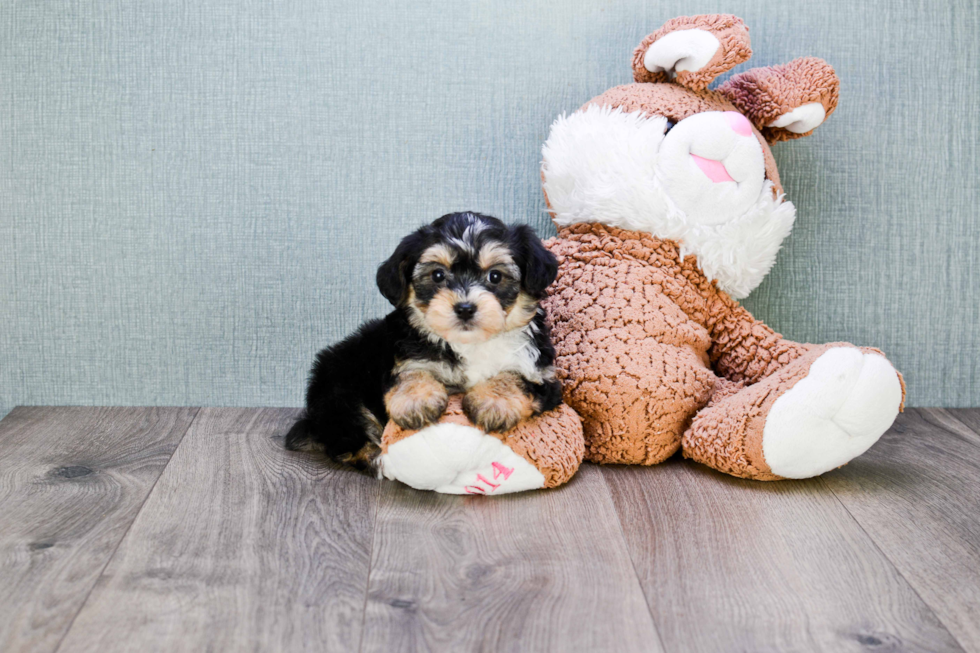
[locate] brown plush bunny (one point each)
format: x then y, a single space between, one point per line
669 205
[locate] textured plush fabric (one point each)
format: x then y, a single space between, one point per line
733 38
644 341
764 94
727 434
194 195
629 323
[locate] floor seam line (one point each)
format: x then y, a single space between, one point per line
969 440
129 527
636 575
367 583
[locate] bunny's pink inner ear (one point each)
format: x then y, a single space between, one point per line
692 50
788 101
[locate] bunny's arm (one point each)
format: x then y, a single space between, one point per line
743 348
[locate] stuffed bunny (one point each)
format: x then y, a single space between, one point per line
669 208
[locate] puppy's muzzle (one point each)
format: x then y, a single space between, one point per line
465 310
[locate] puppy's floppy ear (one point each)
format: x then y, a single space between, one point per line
394 274
539 267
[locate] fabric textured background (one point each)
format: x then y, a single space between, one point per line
195 194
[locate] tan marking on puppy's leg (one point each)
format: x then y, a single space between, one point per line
372 427
416 399
499 403
362 459
521 312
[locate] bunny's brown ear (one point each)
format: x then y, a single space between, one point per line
692 50
788 101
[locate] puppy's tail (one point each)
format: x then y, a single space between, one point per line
300 437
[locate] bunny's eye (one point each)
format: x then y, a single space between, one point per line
670 125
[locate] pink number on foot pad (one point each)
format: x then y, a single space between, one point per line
498 471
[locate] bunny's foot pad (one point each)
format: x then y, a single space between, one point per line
847 400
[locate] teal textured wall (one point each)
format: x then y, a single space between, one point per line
194 194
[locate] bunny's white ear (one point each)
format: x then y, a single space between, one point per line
801 119
687 50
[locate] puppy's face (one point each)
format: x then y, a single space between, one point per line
469 277
467 291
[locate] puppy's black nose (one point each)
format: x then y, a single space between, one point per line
465 310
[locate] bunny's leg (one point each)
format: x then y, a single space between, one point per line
783 409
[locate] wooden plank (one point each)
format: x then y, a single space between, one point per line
71 482
541 571
730 564
241 546
917 495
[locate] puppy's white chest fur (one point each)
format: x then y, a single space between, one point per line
512 351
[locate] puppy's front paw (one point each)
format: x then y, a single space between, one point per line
498 404
416 399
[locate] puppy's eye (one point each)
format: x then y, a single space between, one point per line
495 277
438 276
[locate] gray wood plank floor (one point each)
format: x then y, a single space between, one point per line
926 518
72 481
239 547
530 572
170 529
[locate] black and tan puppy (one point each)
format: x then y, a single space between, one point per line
466 290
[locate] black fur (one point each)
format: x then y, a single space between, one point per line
538 266
346 377
350 378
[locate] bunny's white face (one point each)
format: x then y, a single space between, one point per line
701 183
711 166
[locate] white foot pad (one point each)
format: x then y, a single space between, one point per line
456 459
846 402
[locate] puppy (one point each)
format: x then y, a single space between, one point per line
466 291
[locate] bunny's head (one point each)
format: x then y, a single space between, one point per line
669 157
